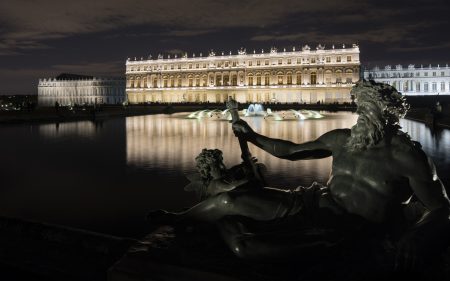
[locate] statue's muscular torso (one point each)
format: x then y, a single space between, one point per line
369 183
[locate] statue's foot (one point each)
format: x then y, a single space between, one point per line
161 217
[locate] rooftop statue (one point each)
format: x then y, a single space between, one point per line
379 177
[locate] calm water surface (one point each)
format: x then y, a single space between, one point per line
106 176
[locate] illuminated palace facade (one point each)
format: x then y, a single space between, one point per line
70 89
304 76
412 80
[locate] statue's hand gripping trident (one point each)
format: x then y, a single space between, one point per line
246 156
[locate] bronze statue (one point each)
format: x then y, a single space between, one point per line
379 175
213 177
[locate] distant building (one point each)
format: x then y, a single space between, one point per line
304 75
412 80
71 89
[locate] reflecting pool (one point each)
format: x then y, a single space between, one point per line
106 176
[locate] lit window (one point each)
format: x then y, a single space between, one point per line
280 79
266 79
313 78
338 59
234 80
299 78
434 85
299 61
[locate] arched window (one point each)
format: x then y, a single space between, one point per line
226 80
234 80
338 76
179 81
219 80
204 81
289 78
197 81
250 79
138 82
172 81
266 79
348 76
155 82
258 79
191 81
280 78
299 78
313 78
328 74
144 82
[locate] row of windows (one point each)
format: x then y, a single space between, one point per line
411 86
235 63
405 74
72 92
225 80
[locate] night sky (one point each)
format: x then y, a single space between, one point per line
42 38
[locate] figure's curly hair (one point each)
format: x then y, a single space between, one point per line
205 160
392 103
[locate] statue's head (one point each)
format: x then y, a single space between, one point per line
380 106
209 164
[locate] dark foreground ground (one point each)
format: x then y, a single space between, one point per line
35 251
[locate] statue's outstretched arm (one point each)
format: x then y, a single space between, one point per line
320 148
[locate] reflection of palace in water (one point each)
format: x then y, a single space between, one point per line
306 76
158 141
80 128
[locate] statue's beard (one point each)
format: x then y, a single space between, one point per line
365 134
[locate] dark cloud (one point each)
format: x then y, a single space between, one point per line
85 35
